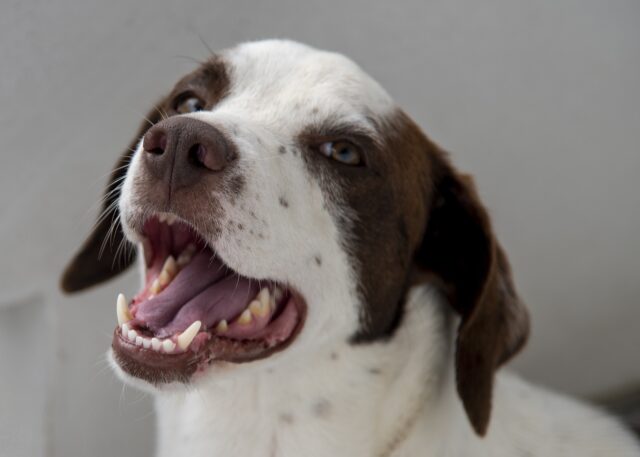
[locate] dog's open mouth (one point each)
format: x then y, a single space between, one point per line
194 310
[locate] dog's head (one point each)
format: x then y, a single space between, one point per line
280 199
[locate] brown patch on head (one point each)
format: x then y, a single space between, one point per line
415 218
386 198
97 260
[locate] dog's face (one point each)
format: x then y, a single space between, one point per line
282 202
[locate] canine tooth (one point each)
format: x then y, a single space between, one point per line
258 308
186 337
263 296
170 266
132 335
162 217
125 329
222 326
156 344
164 279
122 310
146 343
168 346
138 341
171 218
245 318
155 287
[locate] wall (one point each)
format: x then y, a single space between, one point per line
539 100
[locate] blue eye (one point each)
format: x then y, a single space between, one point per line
342 151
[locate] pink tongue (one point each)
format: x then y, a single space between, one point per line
225 299
198 275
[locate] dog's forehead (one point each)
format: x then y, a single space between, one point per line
282 79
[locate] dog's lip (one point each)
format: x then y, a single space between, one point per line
160 368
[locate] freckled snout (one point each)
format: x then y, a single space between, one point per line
181 151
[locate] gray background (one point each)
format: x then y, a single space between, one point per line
540 100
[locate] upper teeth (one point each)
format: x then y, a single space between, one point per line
122 310
186 255
169 271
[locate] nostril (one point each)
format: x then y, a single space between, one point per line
197 155
155 142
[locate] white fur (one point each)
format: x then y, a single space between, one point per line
324 396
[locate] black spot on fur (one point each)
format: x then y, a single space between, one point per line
334 356
375 371
283 202
282 150
318 260
286 418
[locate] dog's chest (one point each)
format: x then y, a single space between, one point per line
268 416
348 402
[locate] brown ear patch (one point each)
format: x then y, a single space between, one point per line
106 252
460 251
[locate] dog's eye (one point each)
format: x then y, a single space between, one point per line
189 104
342 151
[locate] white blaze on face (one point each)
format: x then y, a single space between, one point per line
279 226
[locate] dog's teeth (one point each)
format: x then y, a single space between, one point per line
186 255
263 296
164 279
277 294
125 330
156 344
186 337
245 318
222 326
170 266
155 287
132 335
162 217
146 343
171 218
168 346
258 308
122 310
139 341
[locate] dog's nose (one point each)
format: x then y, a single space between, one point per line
182 149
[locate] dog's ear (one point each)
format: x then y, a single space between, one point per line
460 252
106 253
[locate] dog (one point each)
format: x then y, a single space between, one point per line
317 277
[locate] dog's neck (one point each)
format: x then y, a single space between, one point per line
355 400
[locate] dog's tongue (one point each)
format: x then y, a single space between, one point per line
203 290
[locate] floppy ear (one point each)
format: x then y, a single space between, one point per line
105 253
460 251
